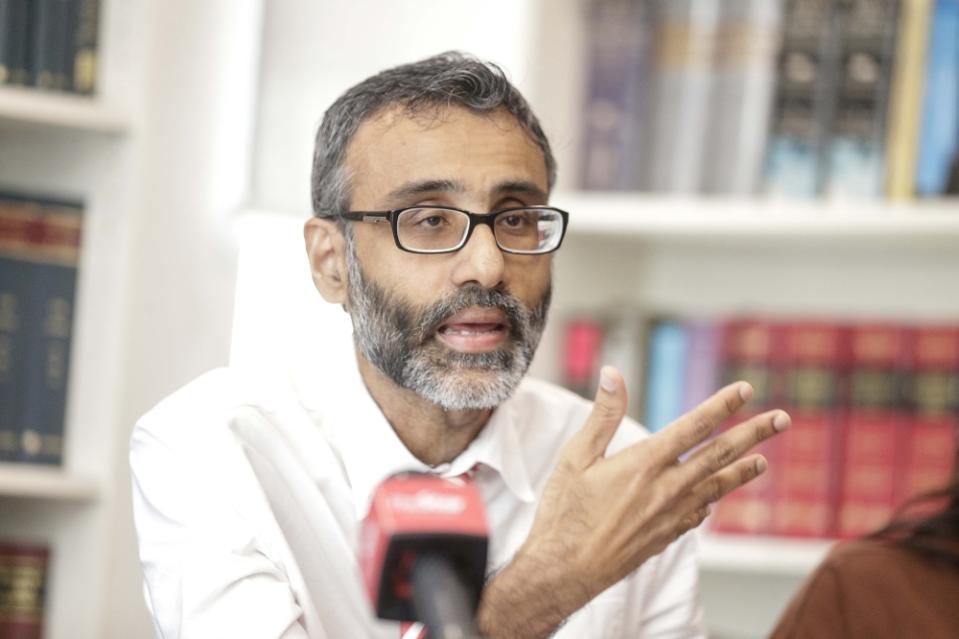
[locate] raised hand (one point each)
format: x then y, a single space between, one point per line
601 517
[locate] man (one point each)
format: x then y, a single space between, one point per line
432 229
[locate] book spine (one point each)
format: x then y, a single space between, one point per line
803 103
939 139
930 452
23 584
14 44
50 43
747 352
876 425
747 40
809 365
623 347
856 150
82 64
666 377
906 99
49 318
684 48
582 347
615 95
703 361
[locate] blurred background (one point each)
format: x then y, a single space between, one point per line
758 189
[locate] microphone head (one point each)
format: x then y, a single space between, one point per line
414 514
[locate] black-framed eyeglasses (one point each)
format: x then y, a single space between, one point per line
526 230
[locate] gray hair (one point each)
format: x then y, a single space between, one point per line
447 79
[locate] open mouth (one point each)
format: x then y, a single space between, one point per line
475 330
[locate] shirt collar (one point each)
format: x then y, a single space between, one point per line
371 451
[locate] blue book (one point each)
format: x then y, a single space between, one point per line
666 377
49 321
939 140
13 294
39 250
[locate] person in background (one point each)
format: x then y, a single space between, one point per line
900 581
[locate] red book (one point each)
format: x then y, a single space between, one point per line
928 454
582 347
876 425
747 351
23 577
809 364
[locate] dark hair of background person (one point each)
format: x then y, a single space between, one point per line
448 79
936 535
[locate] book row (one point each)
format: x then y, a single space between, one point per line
802 98
23 582
875 408
39 254
49 44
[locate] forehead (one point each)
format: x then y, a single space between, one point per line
476 150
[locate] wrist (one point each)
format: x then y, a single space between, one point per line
532 596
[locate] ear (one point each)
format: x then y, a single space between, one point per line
326 248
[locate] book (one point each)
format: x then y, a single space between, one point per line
856 147
928 454
803 99
744 77
809 364
623 346
615 102
703 360
747 352
939 137
14 48
84 34
39 244
23 584
908 83
684 43
876 425
666 375
582 346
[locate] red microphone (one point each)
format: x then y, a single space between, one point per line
422 552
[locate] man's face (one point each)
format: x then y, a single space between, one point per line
460 329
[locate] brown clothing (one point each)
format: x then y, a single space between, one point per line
874 590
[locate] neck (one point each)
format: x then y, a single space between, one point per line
432 434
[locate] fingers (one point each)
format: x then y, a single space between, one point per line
699 424
723 451
696 504
609 408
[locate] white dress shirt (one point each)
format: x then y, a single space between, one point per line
217 565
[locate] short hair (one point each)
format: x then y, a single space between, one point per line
448 79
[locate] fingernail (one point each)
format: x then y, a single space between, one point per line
605 380
761 465
745 391
781 421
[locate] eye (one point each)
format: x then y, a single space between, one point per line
433 221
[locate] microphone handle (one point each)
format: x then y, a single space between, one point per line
440 599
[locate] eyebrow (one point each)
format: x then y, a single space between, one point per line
422 187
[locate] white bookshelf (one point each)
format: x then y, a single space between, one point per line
22 107
51 484
761 556
663 218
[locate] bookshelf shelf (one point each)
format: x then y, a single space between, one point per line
663 217
25 107
46 483
761 555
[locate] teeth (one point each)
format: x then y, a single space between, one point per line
466 332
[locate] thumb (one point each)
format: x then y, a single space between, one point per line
609 408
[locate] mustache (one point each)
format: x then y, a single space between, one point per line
473 296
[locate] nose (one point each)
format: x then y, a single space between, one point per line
480 261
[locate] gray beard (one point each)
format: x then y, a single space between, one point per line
400 341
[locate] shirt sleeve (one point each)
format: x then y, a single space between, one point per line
664 595
205 570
